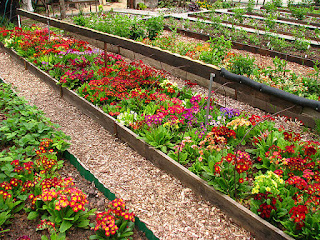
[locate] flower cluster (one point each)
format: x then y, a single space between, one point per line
238 122
298 214
269 182
291 136
20 167
268 204
255 119
106 221
72 197
45 147
45 224
5 194
242 161
230 112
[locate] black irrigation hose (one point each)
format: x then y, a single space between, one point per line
271 90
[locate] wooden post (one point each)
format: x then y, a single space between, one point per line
105 54
19 21
62 9
48 22
212 76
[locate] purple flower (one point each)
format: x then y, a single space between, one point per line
230 112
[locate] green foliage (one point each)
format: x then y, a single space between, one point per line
25 125
299 12
80 20
270 20
154 26
270 7
123 25
8 207
242 65
302 44
219 47
250 6
277 3
317 121
238 14
142 6
159 138
278 44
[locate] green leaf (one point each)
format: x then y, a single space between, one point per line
164 149
123 225
69 213
22 197
65 226
126 234
94 237
83 224
44 237
4 216
33 215
11 135
6 159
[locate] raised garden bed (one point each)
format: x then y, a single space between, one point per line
159 158
248 47
313 20
196 68
186 64
300 48
264 24
203 52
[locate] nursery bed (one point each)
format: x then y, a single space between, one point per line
250 48
260 25
261 228
284 16
205 34
197 71
183 215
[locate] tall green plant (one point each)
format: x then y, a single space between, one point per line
219 47
154 26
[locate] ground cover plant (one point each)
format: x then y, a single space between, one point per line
300 47
31 150
269 24
291 12
271 170
213 53
122 25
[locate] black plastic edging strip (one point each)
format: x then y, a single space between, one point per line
271 90
84 172
244 217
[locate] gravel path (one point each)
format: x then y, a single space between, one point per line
169 209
